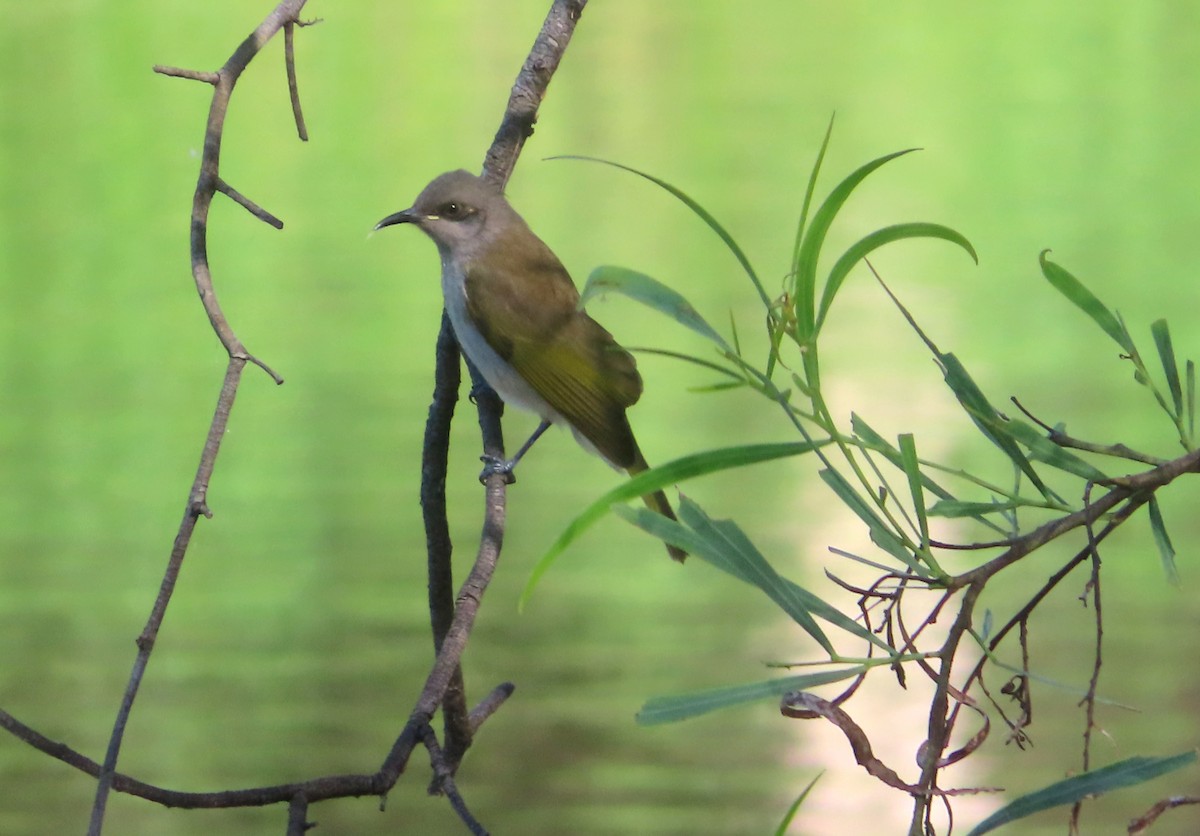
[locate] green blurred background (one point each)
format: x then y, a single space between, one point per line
297 639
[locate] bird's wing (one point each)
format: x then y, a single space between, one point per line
568 358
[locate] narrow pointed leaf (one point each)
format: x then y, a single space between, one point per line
1124 773
881 535
791 597
700 212
684 706
986 418
809 190
872 242
658 478
1044 450
1161 539
952 508
652 293
881 445
1191 401
1086 301
1166 354
795 806
912 469
728 550
814 238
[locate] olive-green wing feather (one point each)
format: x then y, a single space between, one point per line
526 310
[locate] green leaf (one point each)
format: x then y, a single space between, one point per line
809 190
684 706
658 478
814 237
1191 401
724 545
699 210
1044 450
881 535
953 508
746 564
795 806
1125 773
986 418
1161 539
1086 301
652 293
872 242
1166 353
879 444
912 469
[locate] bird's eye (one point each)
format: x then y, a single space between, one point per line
454 211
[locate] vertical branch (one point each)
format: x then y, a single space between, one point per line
516 126
439 548
530 88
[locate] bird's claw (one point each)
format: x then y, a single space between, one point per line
493 465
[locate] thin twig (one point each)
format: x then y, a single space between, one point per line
248 204
1089 698
289 60
1063 440
195 75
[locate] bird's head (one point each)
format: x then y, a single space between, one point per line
454 211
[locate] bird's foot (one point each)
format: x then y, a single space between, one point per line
494 464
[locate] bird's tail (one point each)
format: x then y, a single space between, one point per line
659 503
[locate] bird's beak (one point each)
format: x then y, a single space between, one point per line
408 216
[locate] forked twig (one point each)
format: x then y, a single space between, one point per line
208 183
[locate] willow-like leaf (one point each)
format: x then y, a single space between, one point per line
814 237
882 446
1124 773
912 470
1044 450
1086 301
700 212
872 242
659 478
786 822
1166 354
740 564
725 546
953 508
1166 551
684 706
1191 402
652 293
987 419
881 535
809 190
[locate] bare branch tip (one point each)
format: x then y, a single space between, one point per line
195 75
248 204
274 375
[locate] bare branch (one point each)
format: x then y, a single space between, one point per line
207 184
195 75
248 204
289 58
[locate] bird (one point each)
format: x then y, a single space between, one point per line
515 313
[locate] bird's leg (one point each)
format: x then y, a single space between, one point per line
494 464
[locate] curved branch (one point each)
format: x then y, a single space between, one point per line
208 183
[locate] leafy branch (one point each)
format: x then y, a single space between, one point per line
900 496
